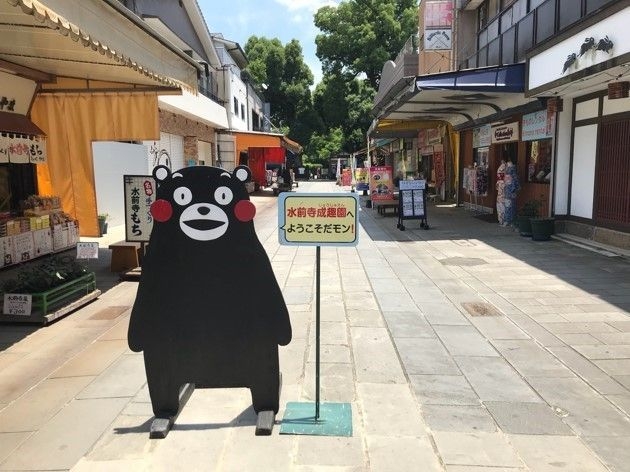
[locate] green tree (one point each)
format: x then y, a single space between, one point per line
359 36
287 81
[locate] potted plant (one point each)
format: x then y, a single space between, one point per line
529 210
542 228
102 223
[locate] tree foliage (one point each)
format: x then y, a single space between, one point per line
285 82
359 36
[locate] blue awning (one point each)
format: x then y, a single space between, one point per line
502 79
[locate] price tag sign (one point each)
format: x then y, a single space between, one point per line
19 304
87 250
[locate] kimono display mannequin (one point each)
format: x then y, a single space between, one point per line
510 189
501 192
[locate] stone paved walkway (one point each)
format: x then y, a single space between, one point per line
464 347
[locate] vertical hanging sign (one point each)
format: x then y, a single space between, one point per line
139 195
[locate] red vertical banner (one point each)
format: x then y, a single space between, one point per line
438 164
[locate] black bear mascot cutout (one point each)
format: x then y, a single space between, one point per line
209 311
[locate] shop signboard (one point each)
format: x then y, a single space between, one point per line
412 197
361 179
438 165
438 13
346 177
438 39
381 183
536 126
318 219
87 250
433 136
482 136
139 195
19 304
505 133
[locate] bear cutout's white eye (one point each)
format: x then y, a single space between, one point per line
223 195
182 196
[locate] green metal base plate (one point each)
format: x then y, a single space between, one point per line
335 419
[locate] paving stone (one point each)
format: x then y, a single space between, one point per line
122 379
38 405
390 410
621 401
331 353
486 449
403 324
375 359
554 453
9 442
331 332
425 356
442 313
328 451
62 441
614 452
614 366
579 339
458 418
530 359
527 418
586 369
366 318
473 468
604 352
590 328
336 382
613 338
501 327
464 341
93 360
395 302
443 390
587 412
395 454
493 379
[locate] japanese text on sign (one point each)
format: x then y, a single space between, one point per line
19 304
139 195
318 219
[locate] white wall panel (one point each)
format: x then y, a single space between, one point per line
563 160
112 160
587 109
583 175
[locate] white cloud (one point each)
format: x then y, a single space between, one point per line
311 5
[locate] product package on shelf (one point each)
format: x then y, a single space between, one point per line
73 233
43 242
24 249
7 246
60 237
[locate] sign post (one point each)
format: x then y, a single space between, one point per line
318 219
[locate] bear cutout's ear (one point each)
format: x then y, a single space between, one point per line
161 173
242 173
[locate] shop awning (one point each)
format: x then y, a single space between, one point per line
92 39
290 145
462 98
18 124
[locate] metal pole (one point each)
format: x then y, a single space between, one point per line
317 279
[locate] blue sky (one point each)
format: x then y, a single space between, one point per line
237 20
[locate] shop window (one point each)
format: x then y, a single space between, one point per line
539 161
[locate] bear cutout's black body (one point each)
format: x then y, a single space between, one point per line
208 310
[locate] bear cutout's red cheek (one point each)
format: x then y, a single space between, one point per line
244 211
161 210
